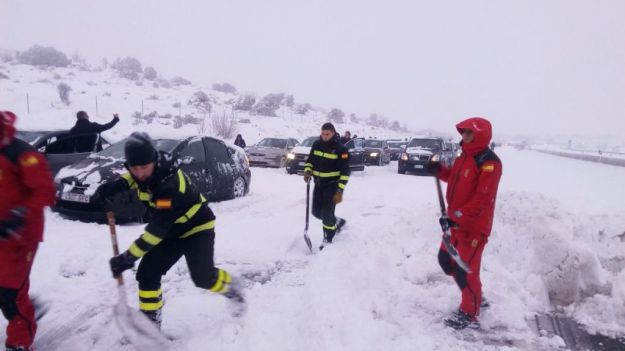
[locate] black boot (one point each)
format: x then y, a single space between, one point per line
485 304
236 298
16 348
155 317
460 320
340 223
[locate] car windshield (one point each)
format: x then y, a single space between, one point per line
430 144
396 144
117 150
308 142
270 142
373 143
29 137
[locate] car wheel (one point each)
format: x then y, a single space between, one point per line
380 162
238 190
401 171
283 162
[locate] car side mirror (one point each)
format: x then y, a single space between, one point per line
42 149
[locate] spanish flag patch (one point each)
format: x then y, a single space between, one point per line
345 156
29 161
163 204
488 168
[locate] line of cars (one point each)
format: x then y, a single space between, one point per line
220 170
412 155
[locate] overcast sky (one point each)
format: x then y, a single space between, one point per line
540 66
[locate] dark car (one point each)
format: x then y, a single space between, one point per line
59 147
296 159
220 172
397 148
377 152
418 153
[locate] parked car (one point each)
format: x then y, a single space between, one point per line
418 153
377 152
220 171
397 148
271 152
296 159
59 147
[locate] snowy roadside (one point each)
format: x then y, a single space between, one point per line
379 285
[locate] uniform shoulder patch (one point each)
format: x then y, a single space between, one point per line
488 167
163 204
345 156
29 161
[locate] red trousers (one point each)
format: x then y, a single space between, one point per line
15 265
470 246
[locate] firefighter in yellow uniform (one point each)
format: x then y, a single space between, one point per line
182 224
328 164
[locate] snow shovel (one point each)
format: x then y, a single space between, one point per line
134 325
306 237
446 232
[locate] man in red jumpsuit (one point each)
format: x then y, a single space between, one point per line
26 186
471 192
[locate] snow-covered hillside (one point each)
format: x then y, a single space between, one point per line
557 240
34 89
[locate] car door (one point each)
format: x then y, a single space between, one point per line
221 168
62 151
193 162
356 152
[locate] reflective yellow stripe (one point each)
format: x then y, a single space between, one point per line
150 294
223 281
341 186
150 306
199 228
190 213
308 165
136 251
144 196
326 155
307 169
182 186
129 180
151 238
344 177
329 227
326 174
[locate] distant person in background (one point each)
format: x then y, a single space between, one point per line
346 137
239 141
90 143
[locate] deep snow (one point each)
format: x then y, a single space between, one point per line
379 285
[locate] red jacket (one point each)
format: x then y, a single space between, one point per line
25 181
473 180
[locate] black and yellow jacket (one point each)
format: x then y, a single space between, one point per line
329 163
178 209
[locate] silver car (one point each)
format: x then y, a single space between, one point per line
270 152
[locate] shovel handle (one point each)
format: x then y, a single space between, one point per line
110 217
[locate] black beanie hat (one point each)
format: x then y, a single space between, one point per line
328 126
82 115
139 150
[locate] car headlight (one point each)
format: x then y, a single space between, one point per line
404 157
373 154
435 158
459 153
290 156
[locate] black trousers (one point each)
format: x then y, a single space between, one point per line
323 207
196 249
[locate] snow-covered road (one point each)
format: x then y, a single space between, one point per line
378 287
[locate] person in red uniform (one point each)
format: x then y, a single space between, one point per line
471 192
26 186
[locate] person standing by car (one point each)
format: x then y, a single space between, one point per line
87 143
346 137
182 224
328 163
472 186
239 141
27 188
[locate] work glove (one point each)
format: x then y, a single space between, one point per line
447 223
11 226
122 262
307 176
338 197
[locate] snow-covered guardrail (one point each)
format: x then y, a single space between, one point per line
606 157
